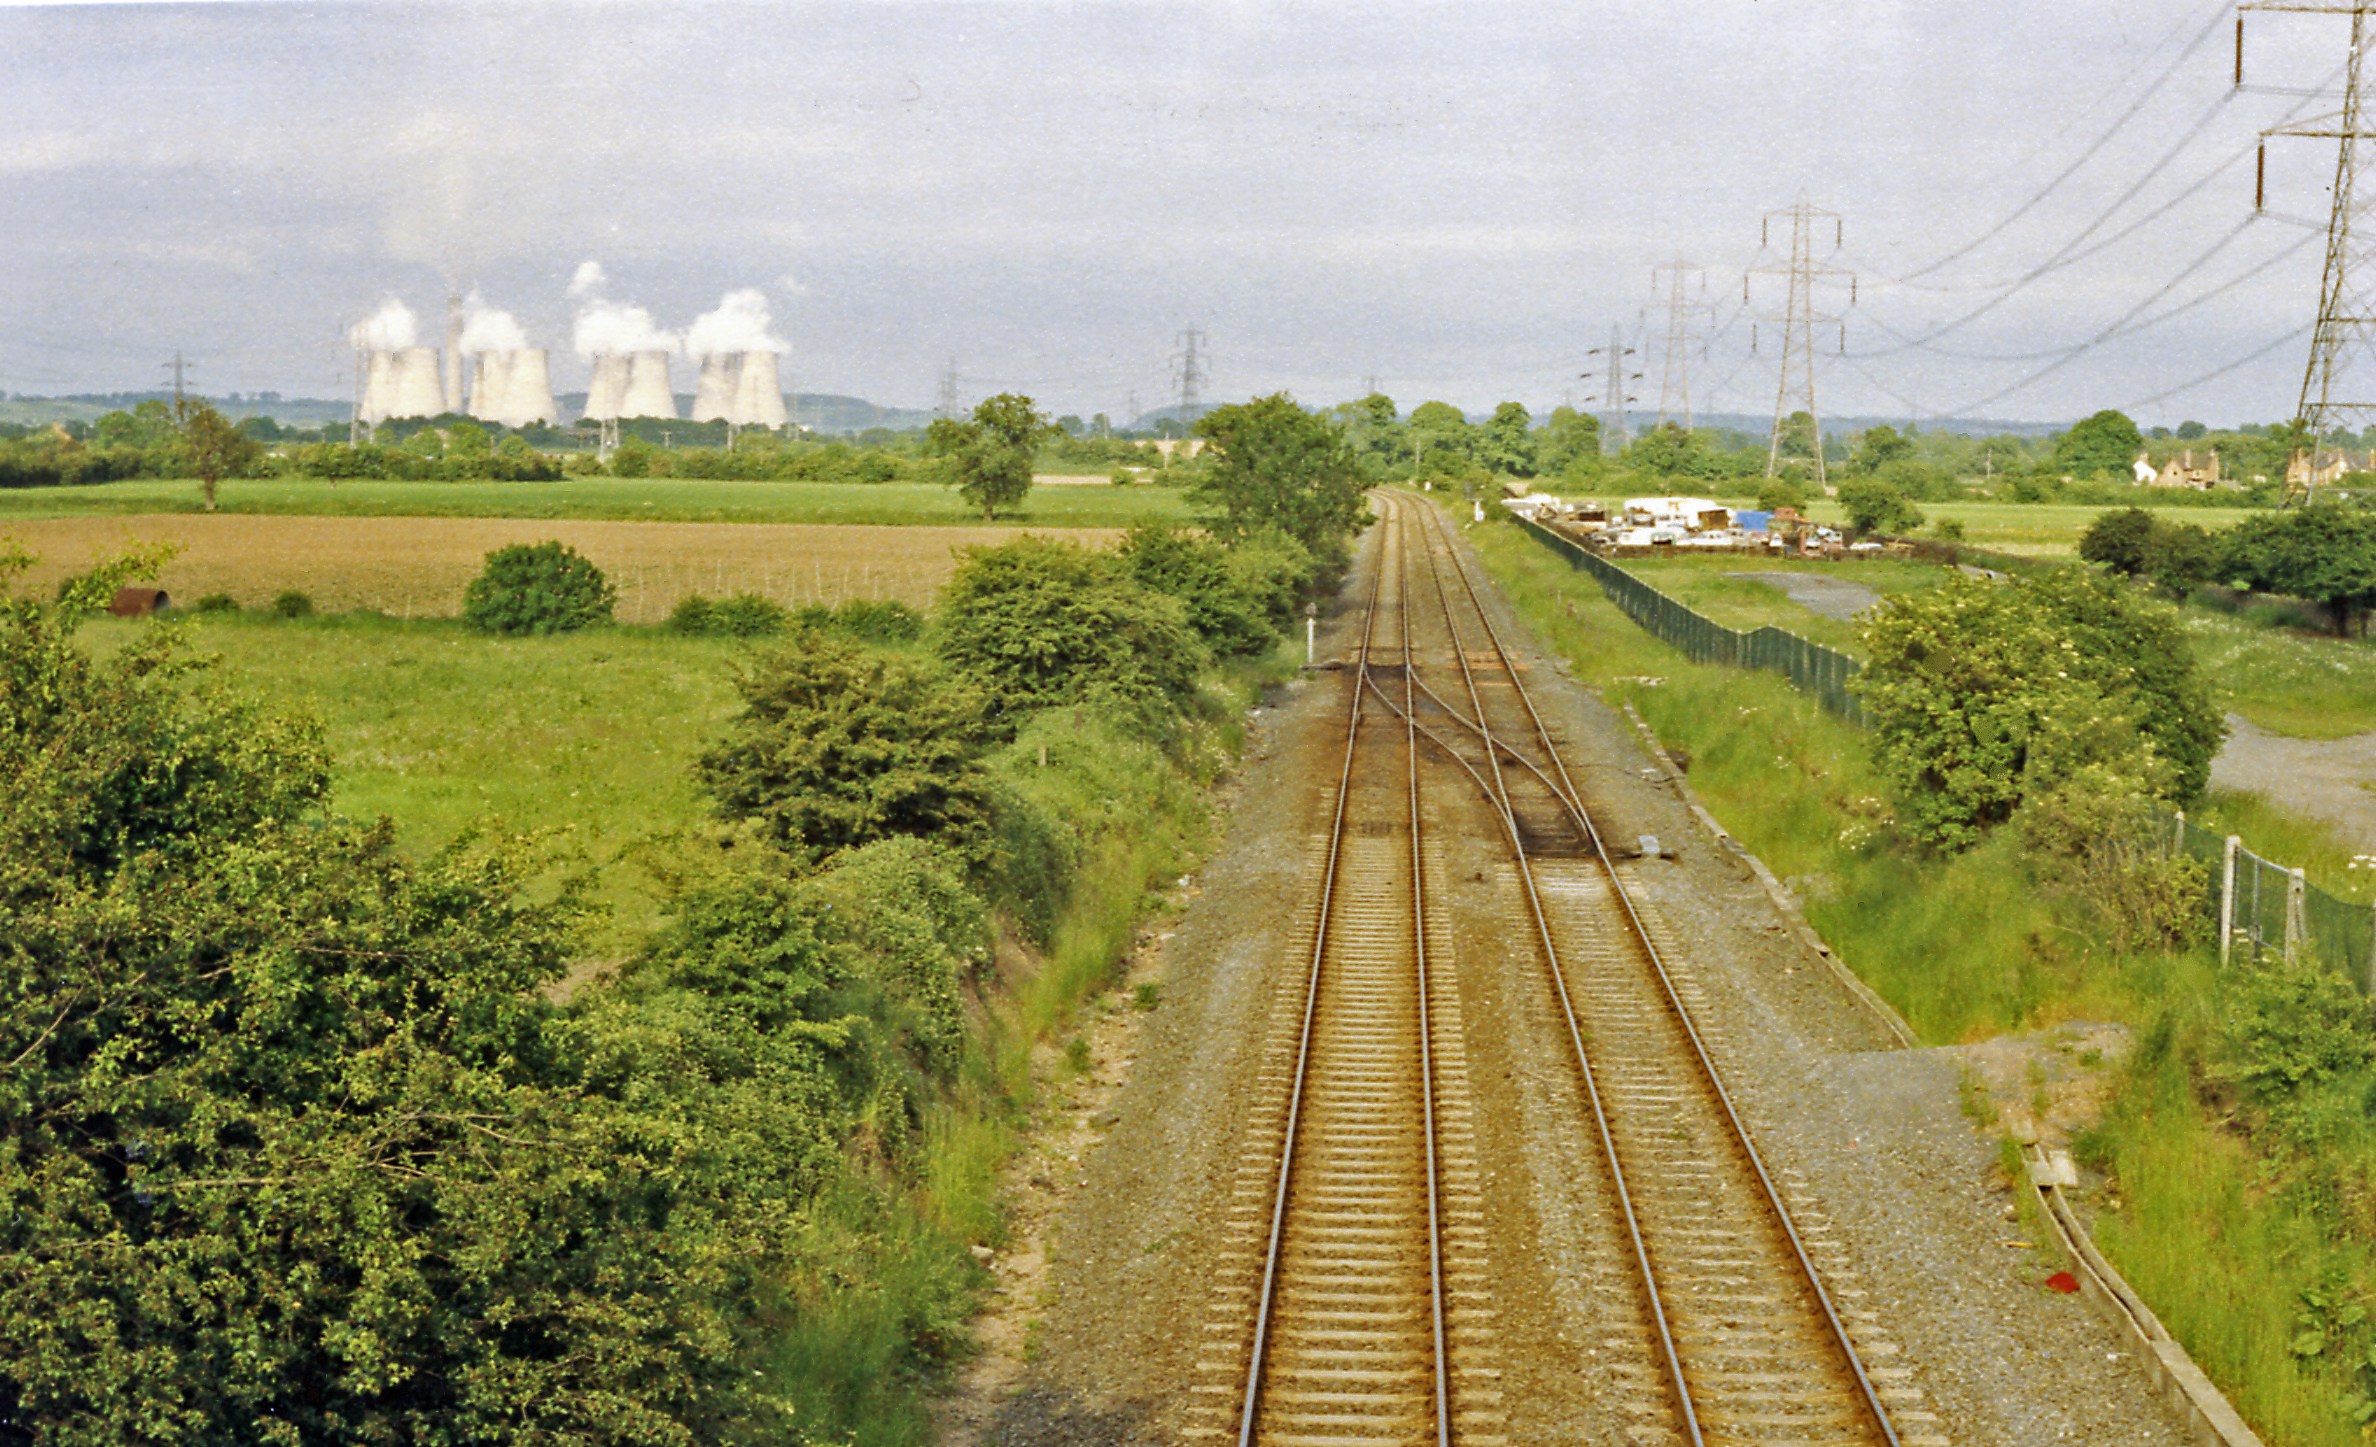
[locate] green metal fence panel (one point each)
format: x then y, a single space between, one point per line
1817 670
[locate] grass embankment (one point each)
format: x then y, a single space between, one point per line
648 499
2223 1235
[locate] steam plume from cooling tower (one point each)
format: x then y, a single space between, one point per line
486 329
740 324
391 328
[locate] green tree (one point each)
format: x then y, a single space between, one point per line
1506 443
1877 505
1569 444
1375 430
1671 451
2325 554
838 746
1036 622
214 448
1879 446
1441 438
2101 445
1983 695
2118 540
1277 466
989 455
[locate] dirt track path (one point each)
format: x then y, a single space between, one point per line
2325 779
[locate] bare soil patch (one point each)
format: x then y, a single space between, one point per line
418 567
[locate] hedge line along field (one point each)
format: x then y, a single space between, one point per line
418 567
1055 502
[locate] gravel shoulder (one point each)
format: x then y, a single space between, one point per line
1122 1201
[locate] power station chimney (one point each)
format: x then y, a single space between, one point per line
648 393
713 396
758 395
453 354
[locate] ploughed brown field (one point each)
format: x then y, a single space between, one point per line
418 567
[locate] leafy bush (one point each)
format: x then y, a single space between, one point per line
290 603
1035 622
745 615
837 747
879 620
537 588
1982 694
216 603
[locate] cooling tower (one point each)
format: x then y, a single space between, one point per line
415 388
648 393
490 385
379 387
758 396
713 398
609 387
528 391
513 388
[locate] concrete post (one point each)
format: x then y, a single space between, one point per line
2227 898
2297 925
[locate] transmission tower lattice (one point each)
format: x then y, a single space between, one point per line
1798 328
948 392
1613 394
1188 373
1674 386
2339 384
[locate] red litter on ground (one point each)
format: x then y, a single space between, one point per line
2063 1281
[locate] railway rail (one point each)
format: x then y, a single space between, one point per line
1360 1305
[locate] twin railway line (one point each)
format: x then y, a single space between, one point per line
1356 1302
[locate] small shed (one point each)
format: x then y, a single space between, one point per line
138 602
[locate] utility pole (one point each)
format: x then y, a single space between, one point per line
1798 327
2338 390
177 366
1188 374
1613 394
1674 387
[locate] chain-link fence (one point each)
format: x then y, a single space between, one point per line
2263 908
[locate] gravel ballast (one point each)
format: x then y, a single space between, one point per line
1120 1203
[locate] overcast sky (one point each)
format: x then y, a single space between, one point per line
2046 208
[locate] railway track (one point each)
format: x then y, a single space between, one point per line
1356 1305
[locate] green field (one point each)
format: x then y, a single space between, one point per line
632 499
588 737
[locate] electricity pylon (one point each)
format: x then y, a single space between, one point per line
1798 327
1189 374
1613 395
1674 386
2338 389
